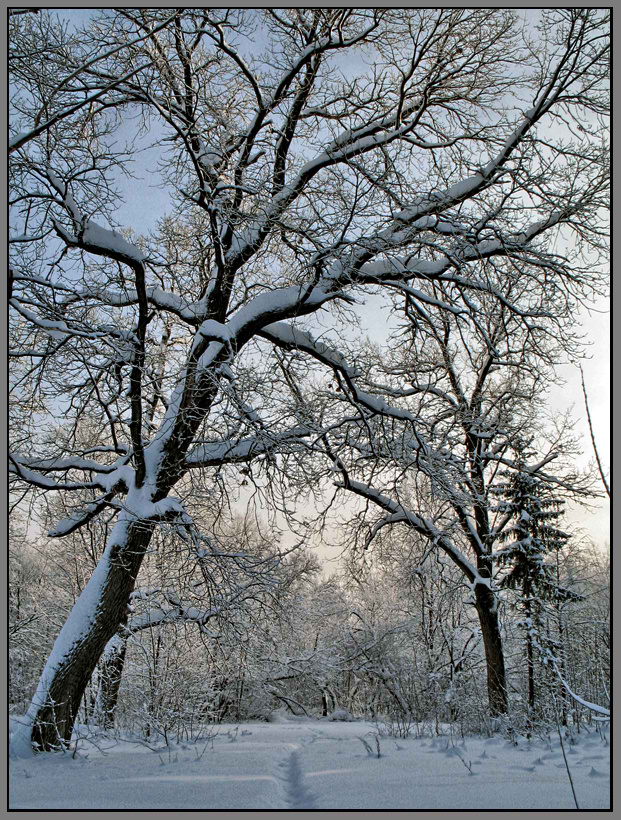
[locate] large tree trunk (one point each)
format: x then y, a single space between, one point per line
494 656
94 619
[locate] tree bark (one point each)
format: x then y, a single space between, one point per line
94 619
110 677
494 657
529 658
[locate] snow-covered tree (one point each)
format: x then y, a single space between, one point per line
530 540
462 389
301 178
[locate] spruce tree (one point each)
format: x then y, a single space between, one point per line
531 535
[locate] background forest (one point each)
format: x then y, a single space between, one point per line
387 638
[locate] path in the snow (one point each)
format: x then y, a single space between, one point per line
294 792
297 795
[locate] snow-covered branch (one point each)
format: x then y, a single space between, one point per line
234 452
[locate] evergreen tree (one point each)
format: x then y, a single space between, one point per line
531 536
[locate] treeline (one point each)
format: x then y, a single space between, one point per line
392 636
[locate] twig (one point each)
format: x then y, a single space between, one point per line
468 765
377 746
209 740
366 745
286 700
599 463
560 737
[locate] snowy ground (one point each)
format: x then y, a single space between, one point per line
316 764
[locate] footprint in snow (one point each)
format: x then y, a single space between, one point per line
539 762
297 795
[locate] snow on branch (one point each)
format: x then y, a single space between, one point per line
79 518
90 236
600 710
190 312
45 465
158 616
110 479
95 239
231 452
397 513
58 330
109 243
289 338
42 481
393 270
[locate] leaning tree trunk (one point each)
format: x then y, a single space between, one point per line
486 606
94 619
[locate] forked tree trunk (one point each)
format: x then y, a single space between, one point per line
494 656
94 619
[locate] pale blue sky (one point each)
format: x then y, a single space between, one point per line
145 203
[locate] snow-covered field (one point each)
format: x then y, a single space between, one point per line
296 764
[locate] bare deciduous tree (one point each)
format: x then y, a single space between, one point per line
463 389
301 178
